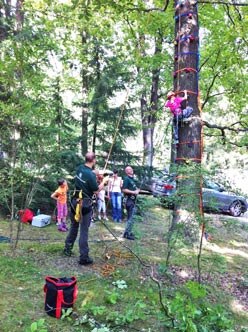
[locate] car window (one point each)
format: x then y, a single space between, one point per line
212 185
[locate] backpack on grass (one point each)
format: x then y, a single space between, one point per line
60 293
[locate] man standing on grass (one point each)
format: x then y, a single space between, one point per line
85 187
130 191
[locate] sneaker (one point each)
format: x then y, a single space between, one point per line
65 226
99 217
128 236
105 218
61 228
86 261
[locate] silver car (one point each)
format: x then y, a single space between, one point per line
215 197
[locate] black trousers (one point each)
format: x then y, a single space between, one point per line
83 225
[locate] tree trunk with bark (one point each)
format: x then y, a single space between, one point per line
188 206
85 89
96 109
149 114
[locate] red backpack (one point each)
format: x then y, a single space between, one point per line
26 215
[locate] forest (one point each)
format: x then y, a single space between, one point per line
94 75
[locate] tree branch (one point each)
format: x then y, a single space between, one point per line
209 90
223 3
230 128
227 10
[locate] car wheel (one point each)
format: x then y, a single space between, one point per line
236 209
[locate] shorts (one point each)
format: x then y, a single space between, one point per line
61 210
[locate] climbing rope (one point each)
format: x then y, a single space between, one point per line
123 107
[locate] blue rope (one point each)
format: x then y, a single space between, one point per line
188 53
187 37
198 51
184 14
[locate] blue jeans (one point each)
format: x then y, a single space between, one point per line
185 114
116 206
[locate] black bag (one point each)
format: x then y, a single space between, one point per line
60 293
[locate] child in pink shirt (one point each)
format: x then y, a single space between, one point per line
174 104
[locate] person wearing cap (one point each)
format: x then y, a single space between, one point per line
179 114
85 187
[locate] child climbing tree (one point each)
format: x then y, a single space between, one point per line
188 149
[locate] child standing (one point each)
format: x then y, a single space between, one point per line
174 104
60 195
101 204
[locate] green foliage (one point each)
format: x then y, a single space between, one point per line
38 326
192 313
112 297
121 284
66 313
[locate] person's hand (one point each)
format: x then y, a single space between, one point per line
136 192
105 179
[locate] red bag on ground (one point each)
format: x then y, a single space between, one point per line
26 215
60 293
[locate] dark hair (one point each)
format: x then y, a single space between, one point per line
61 181
115 171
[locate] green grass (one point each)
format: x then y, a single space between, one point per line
23 272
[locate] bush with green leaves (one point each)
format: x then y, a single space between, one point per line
191 311
38 326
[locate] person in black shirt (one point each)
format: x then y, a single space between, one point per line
131 191
85 187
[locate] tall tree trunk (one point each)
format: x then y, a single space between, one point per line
85 89
149 116
188 208
96 109
19 15
59 112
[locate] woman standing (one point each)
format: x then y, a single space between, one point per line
114 192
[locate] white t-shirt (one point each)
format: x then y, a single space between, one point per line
101 194
115 184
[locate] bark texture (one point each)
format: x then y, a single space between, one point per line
188 208
85 111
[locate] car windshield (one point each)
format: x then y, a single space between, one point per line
213 185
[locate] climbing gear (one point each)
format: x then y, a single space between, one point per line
60 293
79 206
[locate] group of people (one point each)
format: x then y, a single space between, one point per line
88 184
112 191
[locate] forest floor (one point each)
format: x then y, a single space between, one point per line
119 289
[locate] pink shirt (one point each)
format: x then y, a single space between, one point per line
175 106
